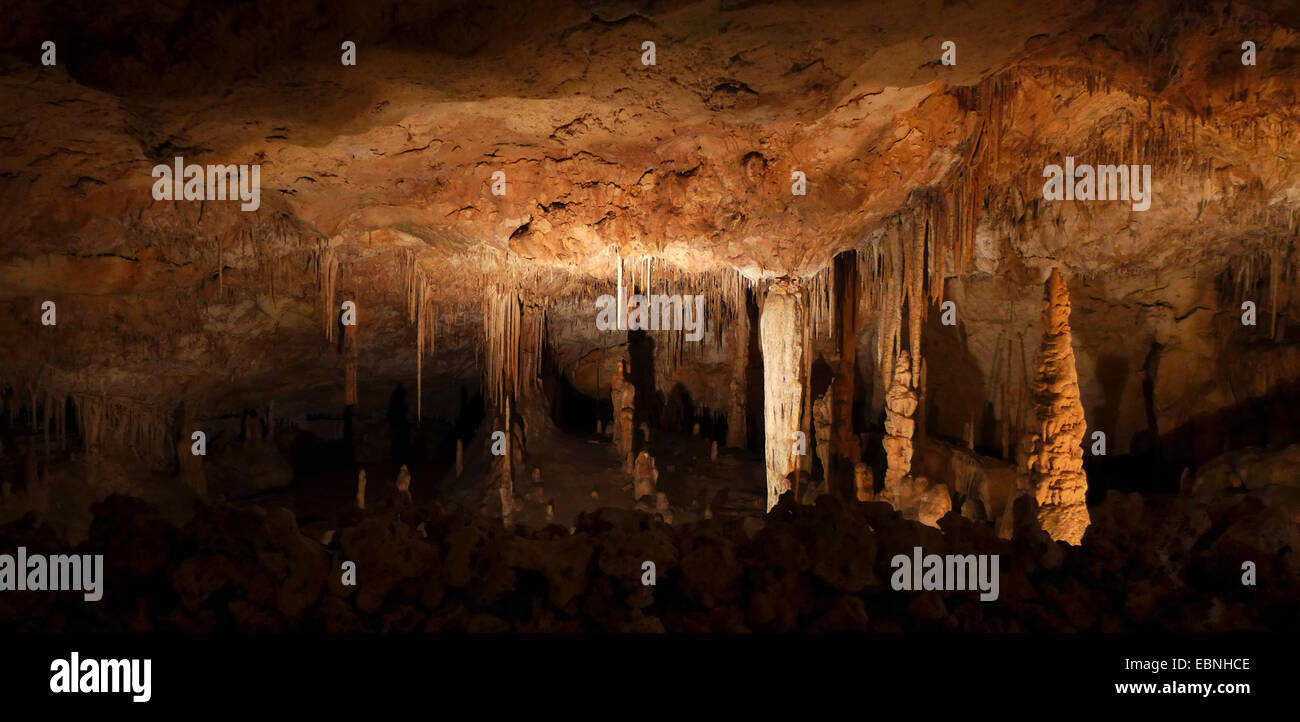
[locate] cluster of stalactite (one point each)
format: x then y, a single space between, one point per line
1143 129
1266 276
726 299
422 309
268 253
1009 390
897 277
326 263
127 425
501 333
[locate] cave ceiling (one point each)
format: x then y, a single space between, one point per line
390 162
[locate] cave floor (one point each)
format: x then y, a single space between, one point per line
572 466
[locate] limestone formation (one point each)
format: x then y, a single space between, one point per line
503 466
403 482
713 451
738 339
661 501
350 351
932 501
1007 523
623 396
1056 453
460 457
822 423
864 482
900 405
361 490
782 332
645 476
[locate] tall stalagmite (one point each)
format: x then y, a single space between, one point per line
900 406
739 341
782 335
350 351
623 397
1056 452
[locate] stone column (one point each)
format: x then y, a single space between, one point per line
736 424
781 332
1056 451
845 443
900 406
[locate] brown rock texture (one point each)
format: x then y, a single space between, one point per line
1056 453
900 405
785 385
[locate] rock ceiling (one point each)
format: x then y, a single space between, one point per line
688 160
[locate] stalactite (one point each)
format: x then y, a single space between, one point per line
327 276
501 310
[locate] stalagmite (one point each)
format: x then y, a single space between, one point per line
623 395
403 482
1056 454
600 429
361 490
864 482
782 328
460 458
695 430
739 343
900 405
503 466
645 431
822 431
645 476
713 451
350 356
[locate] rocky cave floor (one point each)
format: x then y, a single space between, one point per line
1169 562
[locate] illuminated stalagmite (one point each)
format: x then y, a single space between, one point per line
1055 454
503 465
623 395
864 483
782 334
900 406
